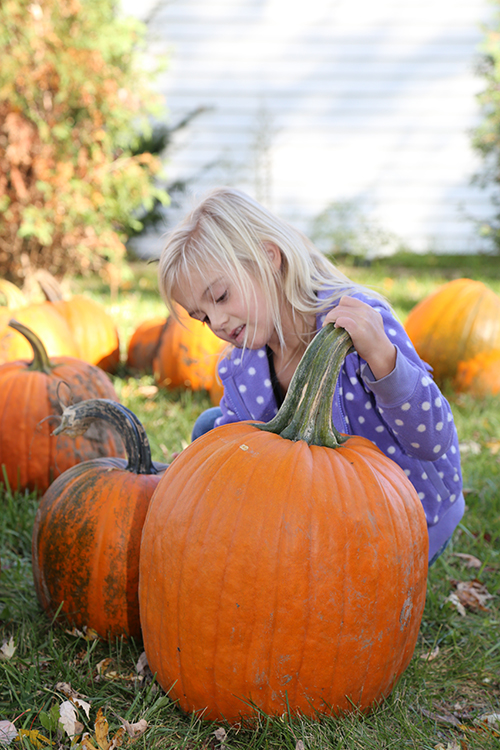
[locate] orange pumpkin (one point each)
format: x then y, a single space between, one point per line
30 408
46 323
187 355
453 324
283 566
480 376
93 329
144 344
87 530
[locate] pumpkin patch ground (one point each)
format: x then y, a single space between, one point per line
60 677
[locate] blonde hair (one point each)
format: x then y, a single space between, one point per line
228 230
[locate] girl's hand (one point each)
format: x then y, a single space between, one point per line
366 329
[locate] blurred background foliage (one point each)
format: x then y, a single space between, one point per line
77 99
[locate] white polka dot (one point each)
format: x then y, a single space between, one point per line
380 428
391 449
409 344
260 400
267 383
407 472
424 476
441 474
361 420
350 396
380 410
426 406
230 412
368 405
450 416
251 370
421 495
437 448
399 422
415 445
353 380
421 428
406 406
437 401
436 519
222 369
426 380
453 498
242 388
347 419
261 353
453 449
439 426
275 410
237 361
456 478
341 390
392 332
439 499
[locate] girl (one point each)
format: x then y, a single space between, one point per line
262 287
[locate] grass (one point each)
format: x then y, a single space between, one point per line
438 703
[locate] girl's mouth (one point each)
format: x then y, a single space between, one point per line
237 334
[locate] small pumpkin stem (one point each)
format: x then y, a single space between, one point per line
78 417
41 361
306 412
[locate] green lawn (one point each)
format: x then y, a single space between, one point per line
452 685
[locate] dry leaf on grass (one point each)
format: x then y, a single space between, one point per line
7 649
8 732
472 594
470 560
430 655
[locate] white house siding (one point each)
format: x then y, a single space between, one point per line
320 101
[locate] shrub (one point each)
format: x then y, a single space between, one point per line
75 99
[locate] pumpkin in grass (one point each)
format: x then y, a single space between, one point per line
454 324
87 530
144 343
187 355
93 329
46 323
31 392
479 376
283 566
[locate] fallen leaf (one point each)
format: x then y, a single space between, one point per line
75 697
135 730
470 446
8 732
36 739
453 599
472 594
493 446
492 720
453 745
300 745
470 560
68 719
7 649
220 736
430 655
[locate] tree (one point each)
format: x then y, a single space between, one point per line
76 97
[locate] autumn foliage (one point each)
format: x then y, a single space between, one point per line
75 97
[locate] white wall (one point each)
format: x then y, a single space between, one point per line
318 101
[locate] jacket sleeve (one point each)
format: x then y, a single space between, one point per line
408 400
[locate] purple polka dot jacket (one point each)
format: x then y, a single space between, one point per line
404 414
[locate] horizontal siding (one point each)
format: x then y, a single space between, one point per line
328 101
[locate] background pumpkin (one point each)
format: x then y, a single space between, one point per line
187 355
456 322
480 376
87 530
279 572
30 407
144 343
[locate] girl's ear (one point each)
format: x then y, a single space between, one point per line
274 254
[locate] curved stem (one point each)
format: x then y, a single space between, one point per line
41 361
78 417
306 413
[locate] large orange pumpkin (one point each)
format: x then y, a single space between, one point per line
453 324
187 355
283 566
479 376
93 329
87 530
46 323
31 392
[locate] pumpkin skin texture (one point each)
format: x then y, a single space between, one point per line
456 322
144 344
287 575
86 537
93 330
30 408
480 376
47 323
187 355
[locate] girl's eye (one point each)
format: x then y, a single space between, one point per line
222 298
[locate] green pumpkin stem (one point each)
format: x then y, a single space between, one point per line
41 361
77 418
306 412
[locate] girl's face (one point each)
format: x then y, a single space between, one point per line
215 300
